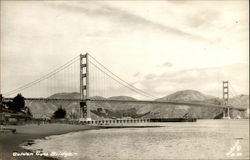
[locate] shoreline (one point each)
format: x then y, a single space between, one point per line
26 135
12 142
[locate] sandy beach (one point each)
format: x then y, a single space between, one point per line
10 142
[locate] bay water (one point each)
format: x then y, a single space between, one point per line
204 139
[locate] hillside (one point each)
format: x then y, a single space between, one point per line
137 110
240 101
186 95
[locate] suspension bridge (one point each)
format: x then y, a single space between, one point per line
96 84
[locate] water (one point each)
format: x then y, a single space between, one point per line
205 139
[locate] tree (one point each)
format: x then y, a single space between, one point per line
59 113
18 103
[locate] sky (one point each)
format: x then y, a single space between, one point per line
157 46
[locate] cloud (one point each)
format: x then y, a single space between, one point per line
203 18
167 64
120 16
137 74
149 76
206 80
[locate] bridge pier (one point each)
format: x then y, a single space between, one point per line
226 113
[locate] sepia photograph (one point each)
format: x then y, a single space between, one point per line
124 80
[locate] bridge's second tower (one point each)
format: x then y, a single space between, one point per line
225 96
84 87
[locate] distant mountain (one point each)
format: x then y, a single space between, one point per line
98 98
191 96
107 109
186 96
122 98
72 95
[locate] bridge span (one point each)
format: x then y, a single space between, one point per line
195 104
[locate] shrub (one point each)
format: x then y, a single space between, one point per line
59 113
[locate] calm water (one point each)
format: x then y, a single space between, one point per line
205 139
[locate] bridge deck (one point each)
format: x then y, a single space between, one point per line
133 101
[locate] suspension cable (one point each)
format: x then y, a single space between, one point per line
43 77
149 96
234 92
145 93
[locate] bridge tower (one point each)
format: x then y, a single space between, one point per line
84 87
225 90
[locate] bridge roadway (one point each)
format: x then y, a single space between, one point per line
134 101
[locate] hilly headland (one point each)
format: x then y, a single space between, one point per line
107 109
